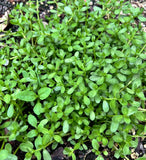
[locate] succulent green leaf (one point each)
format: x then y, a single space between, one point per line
44 93
46 155
57 138
114 126
65 126
126 149
92 93
32 120
73 156
4 154
27 96
26 147
141 158
68 10
105 106
121 77
99 158
38 155
86 100
32 133
10 111
38 109
38 142
71 90
95 144
92 115
117 138
7 98
102 128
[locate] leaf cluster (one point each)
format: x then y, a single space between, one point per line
81 77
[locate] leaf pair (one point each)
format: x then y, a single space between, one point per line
30 96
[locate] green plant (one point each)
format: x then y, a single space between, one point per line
81 77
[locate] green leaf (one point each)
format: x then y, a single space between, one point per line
105 106
99 158
68 10
125 110
141 158
143 56
91 44
86 100
141 95
117 138
46 139
78 48
123 30
7 98
26 147
142 19
71 90
38 155
23 129
68 110
73 156
132 110
28 156
10 111
92 116
67 150
32 133
38 108
27 96
41 40
4 154
51 75
8 147
65 126
32 120
117 118
46 155
140 116
12 157
93 78
117 154
38 142
95 144
121 77
104 141
126 150
89 66
113 106
92 93
57 138
70 49
102 128
44 93
114 126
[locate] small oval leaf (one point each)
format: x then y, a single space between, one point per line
65 126
105 106
27 96
46 155
44 93
68 10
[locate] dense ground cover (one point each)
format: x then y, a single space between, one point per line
77 80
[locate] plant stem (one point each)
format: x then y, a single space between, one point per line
3 145
16 150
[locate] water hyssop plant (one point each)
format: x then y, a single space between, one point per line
79 78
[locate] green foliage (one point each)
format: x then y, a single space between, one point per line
80 77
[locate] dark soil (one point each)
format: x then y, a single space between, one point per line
57 154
